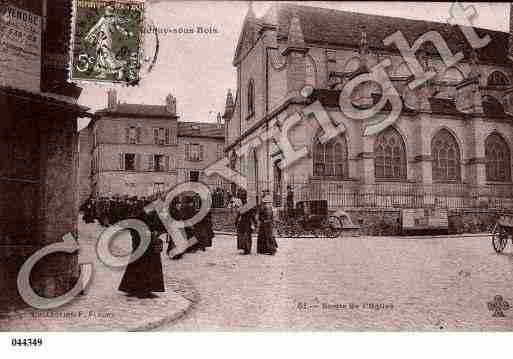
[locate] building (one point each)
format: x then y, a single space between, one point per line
451 145
138 150
38 137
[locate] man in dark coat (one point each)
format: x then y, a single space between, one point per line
244 222
203 232
290 202
182 210
144 275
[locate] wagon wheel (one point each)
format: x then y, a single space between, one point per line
499 238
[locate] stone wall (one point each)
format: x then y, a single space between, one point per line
386 222
38 205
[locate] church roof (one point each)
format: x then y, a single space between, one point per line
335 27
136 110
200 129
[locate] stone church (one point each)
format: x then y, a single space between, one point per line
450 146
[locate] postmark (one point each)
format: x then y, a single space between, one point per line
108 41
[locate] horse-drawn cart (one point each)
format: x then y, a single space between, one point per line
312 218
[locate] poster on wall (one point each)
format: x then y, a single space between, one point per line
20 50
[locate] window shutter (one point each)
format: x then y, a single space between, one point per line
150 162
138 135
137 162
121 162
155 135
187 151
201 152
167 136
166 163
127 135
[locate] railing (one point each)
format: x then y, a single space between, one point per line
346 194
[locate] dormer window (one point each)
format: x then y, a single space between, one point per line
251 98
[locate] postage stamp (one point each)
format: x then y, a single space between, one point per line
108 38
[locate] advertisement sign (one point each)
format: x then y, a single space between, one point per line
424 218
20 50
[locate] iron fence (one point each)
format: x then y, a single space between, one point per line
348 194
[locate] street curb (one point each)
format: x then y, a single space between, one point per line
192 297
176 316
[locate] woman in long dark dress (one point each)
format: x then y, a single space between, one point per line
266 243
144 275
203 232
244 223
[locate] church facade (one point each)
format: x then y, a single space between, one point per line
450 146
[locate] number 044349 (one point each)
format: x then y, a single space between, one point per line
27 342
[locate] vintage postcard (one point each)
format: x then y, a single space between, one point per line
255 166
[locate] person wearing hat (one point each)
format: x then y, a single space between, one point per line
266 243
245 222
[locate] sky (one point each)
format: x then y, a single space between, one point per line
197 68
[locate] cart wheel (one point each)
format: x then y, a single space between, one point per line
499 238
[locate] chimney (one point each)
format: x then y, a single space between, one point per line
171 104
112 98
229 107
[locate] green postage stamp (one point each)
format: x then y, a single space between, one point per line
107 44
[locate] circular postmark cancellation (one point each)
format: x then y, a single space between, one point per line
109 43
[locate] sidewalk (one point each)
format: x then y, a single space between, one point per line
103 308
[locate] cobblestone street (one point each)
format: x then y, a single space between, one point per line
413 283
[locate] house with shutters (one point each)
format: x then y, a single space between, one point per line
450 146
138 150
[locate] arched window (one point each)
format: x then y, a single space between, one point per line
330 158
497 78
390 156
446 157
311 72
251 98
498 166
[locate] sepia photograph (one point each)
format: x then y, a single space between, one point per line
255 166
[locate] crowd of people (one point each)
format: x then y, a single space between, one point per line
144 276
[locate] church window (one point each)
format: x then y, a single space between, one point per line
497 78
498 165
330 158
389 156
251 98
446 157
